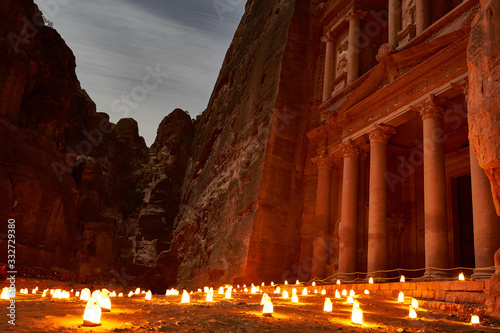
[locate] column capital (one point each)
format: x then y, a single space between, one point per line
429 108
329 36
356 14
323 160
349 148
381 133
462 86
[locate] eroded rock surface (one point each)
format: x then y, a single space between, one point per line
493 294
484 92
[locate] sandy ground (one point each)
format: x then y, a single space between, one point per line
243 313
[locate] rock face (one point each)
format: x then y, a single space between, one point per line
68 176
493 294
242 178
484 92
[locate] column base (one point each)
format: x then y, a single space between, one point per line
482 273
346 278
432 274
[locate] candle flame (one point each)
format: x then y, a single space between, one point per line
295 299
344 292
328 307
413 313
304 292
357 314
370 281
323 292
461 277
367 292
474 320
185 297
92 314
268 307
401 297
402 279
285 294
350 300
148 295
414 303
337 294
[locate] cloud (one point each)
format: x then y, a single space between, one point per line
115 41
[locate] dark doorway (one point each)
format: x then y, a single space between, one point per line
465 218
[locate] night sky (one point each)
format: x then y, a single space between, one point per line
142 59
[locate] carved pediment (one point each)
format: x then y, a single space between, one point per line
393 64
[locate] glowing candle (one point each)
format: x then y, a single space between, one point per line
314 284
263 284
253 290
294 291
474 320
130 294
357 314
104 301
221 291
185 297
92 314
367 292
370 281
328 307
304 292
337 294
401 297
323 292
413 313
65 294
5 293
57 293
338 282
120 295
414 303
272 284
344 292
315 291
112 294
245 290
351 293
137 291
285 294
148 295
33 291
461 277
264 298
278 290
77 293
286 282
227 295
210 297
268 308
297 282
350 300
295 299
402 278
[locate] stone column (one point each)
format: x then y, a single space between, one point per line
436 224
322 216
486 221
348 220
377 214
354 16
329 65
394 21
422 15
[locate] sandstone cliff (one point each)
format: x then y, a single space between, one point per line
68 176
239 217
483 60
